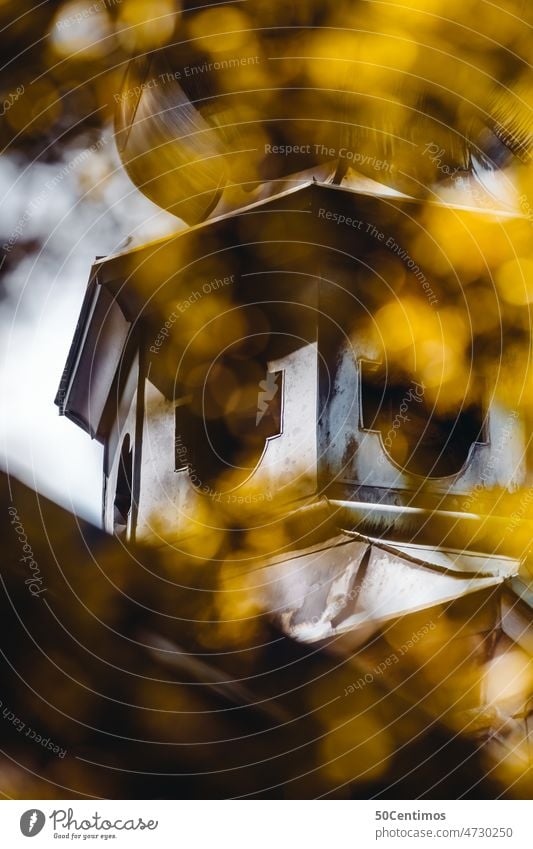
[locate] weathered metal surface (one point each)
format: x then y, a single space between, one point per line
352 585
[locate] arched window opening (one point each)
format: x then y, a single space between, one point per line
123 495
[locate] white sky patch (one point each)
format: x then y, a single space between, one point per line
82 26
38 317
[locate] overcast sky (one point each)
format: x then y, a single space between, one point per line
80 208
